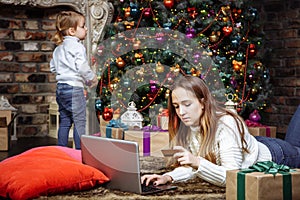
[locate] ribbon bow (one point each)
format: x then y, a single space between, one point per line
128 23
268 167
116 124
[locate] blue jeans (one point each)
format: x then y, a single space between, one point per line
72 110
286 151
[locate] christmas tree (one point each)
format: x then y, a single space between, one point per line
150 43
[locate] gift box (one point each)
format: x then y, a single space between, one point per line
151 140
113 129
268 131
5 120
258 129
253 184
4 136
163 119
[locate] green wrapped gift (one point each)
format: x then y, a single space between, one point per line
263 181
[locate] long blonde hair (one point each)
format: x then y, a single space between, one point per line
64 21
212 112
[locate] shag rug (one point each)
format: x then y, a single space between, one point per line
192 189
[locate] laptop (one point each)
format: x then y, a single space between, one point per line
119 161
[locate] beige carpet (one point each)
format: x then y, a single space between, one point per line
193 189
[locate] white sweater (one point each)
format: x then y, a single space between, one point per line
70 63
228 152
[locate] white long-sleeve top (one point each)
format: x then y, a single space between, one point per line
69 62
229 155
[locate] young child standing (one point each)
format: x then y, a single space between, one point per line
69 63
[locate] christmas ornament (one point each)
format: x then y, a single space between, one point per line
107 114
258 65
167 25
127 12
236 41
190 32
147 12
169 3
151 96
240 56
225 19
227 30
236 65
214 37
128 25
160 37
120 62
229 104
255 116
153 87
131 117
252 50
99 105
134 10
192 12
225 10
159 67
138 58
236 12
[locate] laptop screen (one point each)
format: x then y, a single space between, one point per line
117 159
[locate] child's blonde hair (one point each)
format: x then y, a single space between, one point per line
64 21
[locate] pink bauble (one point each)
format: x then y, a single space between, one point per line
254 116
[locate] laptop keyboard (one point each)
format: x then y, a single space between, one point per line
149 188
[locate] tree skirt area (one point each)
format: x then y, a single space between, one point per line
192 189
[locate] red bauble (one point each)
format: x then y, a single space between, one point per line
227 30
107 114
169 3
252 50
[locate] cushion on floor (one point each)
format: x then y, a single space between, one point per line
44 171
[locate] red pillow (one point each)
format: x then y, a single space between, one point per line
45 171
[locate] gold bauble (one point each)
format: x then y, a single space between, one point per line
159 68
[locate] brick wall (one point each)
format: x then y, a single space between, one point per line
281 24
25 78
25 50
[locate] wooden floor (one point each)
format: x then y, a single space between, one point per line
22 144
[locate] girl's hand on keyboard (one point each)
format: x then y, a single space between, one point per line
156 179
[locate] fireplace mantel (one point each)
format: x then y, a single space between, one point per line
97 12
